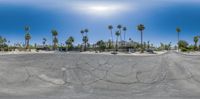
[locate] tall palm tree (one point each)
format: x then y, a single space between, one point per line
85 40
4 41
82 32
69 42
86 31
44 41
124 29
140 28
117 33
120 30
27 36
196 39
110 27
55 40
178 30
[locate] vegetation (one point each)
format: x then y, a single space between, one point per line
44 41
69 43
140 28
165 46
124 29
3 44
196 39
120 31
117 33
123 45
27 36
55 40
101 45
85 38
110 27
183 45
178 30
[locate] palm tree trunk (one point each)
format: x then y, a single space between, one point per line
124 36
111 36
85 47
116 47
27 44
120 34
53 42
178 42
142 42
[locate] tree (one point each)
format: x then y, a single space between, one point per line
4 41
110 27
178 30
140 28
124 29
148 44
27 36
196 39
102 45
44 41
69 43
86 31
110 44
120 30
82 32
182 44
85 40
55 40
117 33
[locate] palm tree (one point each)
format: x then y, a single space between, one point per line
148 45
110 27
178 30
44 41
120 30
27 36
69 42
26 28
124 29
86 31
140 28
196 39
82 32
85 40
117 33
4 41
55 40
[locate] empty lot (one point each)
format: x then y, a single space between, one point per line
87 76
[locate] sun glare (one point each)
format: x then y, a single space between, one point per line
101 9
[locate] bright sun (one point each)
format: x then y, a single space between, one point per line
101 9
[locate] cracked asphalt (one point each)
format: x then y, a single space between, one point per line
86 76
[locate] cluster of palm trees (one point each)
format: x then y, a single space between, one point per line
120 28
184 44
118 34
27 36
69 43
55 39
85 38
44 41
2 41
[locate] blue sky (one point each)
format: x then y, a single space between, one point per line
68 17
